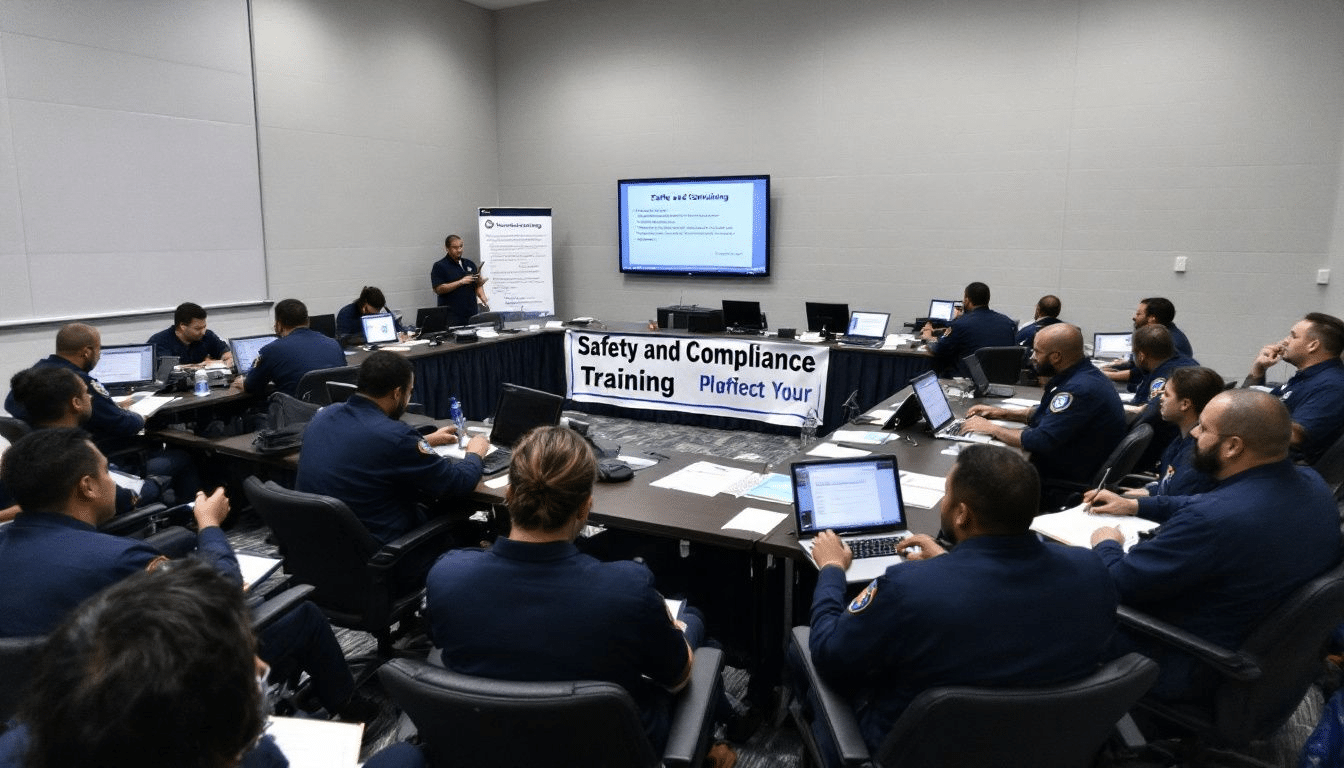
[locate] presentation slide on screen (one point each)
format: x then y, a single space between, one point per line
711 225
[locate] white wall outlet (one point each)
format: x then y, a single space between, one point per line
1322 277
1180 263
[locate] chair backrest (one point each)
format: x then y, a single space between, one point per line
1003 365
1289 644
323 545
18 655
1059 725
313 386
473 721
12 429
1330 466
1126 454
495 319
323 324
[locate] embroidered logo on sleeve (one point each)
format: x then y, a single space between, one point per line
1061 402
864 598
425 447
99 388
1156 389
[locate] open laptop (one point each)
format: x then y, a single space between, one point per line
125 367
981 382
941 313
866 329
859 499
743 316
519 409
431 320
938 412
1111 346
246 349
379 328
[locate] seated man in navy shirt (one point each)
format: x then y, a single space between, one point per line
1079 421
189 340
299 350
1047 313
1002 608
361 453
1151 311
1183 398
533 608
369 302
1226 557
979 326
1315 394
1156 358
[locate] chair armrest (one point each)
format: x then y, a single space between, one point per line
392 552
270 610
131 522
834 710
1230 664
1136 480
693 710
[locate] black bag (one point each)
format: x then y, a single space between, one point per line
286 419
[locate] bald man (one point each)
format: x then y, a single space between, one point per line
1227 556
1079 421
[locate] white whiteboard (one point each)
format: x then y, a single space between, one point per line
128 158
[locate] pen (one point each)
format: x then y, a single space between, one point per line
1088 506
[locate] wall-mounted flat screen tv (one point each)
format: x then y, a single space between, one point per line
706 225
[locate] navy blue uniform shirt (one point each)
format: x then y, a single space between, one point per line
981 327
109 422
1315 398
994 611
461 302
1079 422
167 344
285 360
1027 335
1225 557
380 467
521 611
1176 479
348 321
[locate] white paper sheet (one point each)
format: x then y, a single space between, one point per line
760 521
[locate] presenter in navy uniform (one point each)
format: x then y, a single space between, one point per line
458 282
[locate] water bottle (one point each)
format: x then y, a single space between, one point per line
809 431
202 386
455 413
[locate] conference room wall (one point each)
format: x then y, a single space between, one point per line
1066 146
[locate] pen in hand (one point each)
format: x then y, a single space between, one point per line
1104 476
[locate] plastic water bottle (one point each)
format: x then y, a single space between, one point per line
202 383
455 413
808 433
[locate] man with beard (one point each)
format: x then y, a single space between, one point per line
1152 311
1229 555
1315 394
1080 418
361 453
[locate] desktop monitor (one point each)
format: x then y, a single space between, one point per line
246 349
744 315
123 365
828 317
379 328
431 320
943 309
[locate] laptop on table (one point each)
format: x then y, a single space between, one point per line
859 499
743 316
379 328
246 349
519 410
982 386
1111 346
866 329
124 368
938 412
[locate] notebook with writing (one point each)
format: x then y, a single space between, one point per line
858 498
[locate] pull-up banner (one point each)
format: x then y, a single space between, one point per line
516 257
774 382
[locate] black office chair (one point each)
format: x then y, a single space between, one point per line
12 429
1261 682
1120 464
313 386
323 324
1330 466
355 578
1058 725
493 319
18 655
1003 365
480 722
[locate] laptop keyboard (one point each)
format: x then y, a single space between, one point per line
497 460
860 341
878 547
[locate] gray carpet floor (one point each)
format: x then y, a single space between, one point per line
775 743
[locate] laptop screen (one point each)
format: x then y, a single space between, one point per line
977 372
1111 346
847 495
937 411
379 328
246 349
125 364
942 309
872 324
431 320
521 409
742 314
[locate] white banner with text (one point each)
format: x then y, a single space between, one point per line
744 378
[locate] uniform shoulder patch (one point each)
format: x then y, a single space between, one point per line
1061 402
99 388
425 447
864 598
1155 390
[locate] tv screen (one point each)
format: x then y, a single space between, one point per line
709 225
